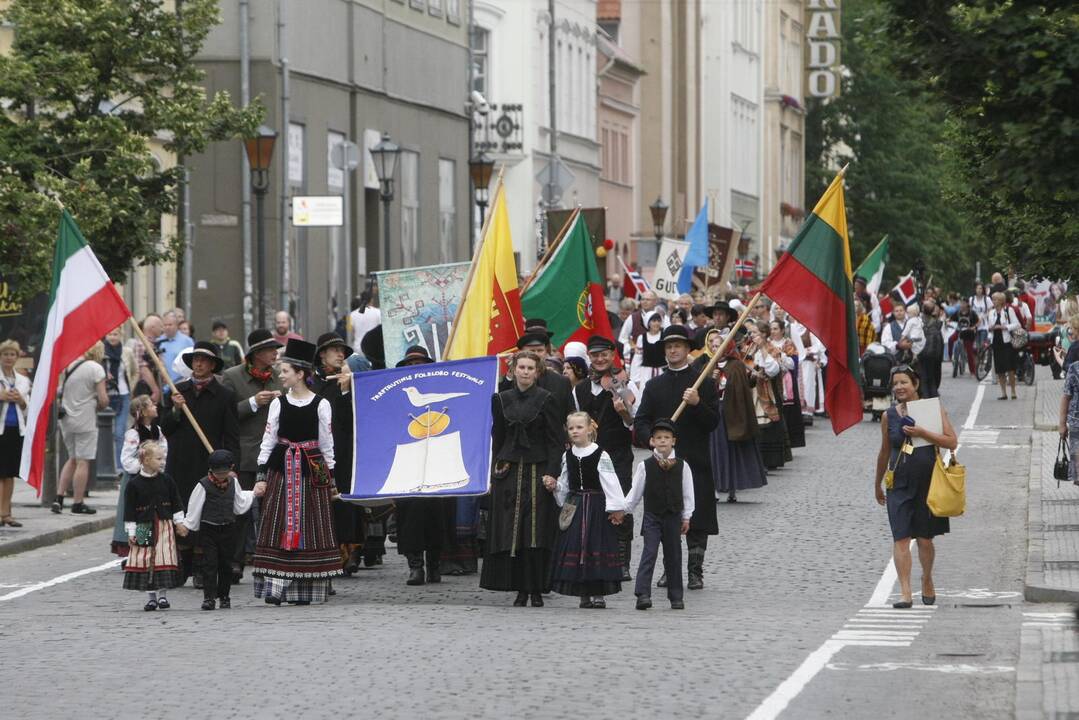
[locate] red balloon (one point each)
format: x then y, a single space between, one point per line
608 244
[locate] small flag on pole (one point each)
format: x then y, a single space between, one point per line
697 255
633 283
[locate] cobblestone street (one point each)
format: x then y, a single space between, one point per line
795 573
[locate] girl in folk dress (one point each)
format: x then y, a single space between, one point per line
144 429
649 359
297 554
153 512
586 558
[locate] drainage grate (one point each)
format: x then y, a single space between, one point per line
983 606
1061 501
960 655
1062 528
1064 656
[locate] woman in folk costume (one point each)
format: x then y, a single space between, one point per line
527 444
792 396
765 367
736 459
649 359
296 554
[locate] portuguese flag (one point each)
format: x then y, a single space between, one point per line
813 283
84 306
568 290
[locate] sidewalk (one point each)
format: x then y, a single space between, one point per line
1048 672
41 527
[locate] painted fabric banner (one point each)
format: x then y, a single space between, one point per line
418 306
423 430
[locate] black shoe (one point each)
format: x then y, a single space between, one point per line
625 574
433 575
586 603
662 580
225 603
415 576
521 600
643 602
58 507
732 498
370 562
677 605
271 600
163 604
903 605
150 605
599 603
929 599
208 604
82 509
696 582
537 600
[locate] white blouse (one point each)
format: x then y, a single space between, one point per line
608 480
129 454
273 421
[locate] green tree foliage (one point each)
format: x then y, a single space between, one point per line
87 86
1007 71
894 135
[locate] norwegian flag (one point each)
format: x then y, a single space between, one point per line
744 269
633 283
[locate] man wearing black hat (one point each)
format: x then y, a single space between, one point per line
537 339
347 517
214 409
610 398
424 525
660 398
254 385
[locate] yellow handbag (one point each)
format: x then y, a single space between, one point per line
948 488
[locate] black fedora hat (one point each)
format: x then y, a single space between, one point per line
205 349
674 332
533 338
415 355
332 339
538 326
260 339
299 352
722 305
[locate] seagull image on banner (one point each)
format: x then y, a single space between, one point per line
419 399
697 255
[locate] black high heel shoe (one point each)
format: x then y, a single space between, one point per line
903 605
537 600
929 599
522 600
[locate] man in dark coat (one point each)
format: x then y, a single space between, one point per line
214 408
424 525
661 397
347 517
537 339
254 385
609 398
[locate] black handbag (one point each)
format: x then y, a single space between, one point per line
1060 467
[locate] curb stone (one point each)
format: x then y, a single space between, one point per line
54 537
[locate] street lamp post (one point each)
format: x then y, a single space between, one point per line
259 155
480 168
385 156
658 209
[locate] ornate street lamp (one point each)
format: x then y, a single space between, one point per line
385 156
259 156
659 217
480 168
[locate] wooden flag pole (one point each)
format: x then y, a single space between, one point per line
550 249
707 372
165 374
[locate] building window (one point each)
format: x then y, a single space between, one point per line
434 7
790 148
791 38
447 212
746 145
410 206
453 11
295 154
614 153
481 45
746 25
420 5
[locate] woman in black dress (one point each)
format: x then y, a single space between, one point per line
1003 321
527 445
908 511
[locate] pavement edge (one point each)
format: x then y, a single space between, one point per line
55 537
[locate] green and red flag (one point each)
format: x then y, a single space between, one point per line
814 284
567 291
84 306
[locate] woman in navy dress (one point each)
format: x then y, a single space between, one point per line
908 511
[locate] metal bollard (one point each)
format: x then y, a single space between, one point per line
103 468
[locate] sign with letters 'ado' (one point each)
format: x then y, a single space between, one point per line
822 48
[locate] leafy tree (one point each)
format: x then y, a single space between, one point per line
88 85
1007 71
893 133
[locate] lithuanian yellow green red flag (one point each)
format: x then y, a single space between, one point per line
813 283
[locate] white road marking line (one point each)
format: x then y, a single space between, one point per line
960 669
974 407
790 688
57 580
1050 615
883 590
881 627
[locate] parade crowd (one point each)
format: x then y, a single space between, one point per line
566 494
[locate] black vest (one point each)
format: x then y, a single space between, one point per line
218 508
584 471
662 488
298 424
652 353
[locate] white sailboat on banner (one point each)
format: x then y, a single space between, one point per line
435 462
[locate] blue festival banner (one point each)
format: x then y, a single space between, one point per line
423 430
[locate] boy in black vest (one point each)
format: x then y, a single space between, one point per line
215 502
666 484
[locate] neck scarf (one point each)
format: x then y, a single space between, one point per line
665 463
200 385
219 484
260 376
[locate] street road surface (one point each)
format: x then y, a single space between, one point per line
795 620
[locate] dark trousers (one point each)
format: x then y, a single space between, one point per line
930 377
665 529
246 525
217 543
